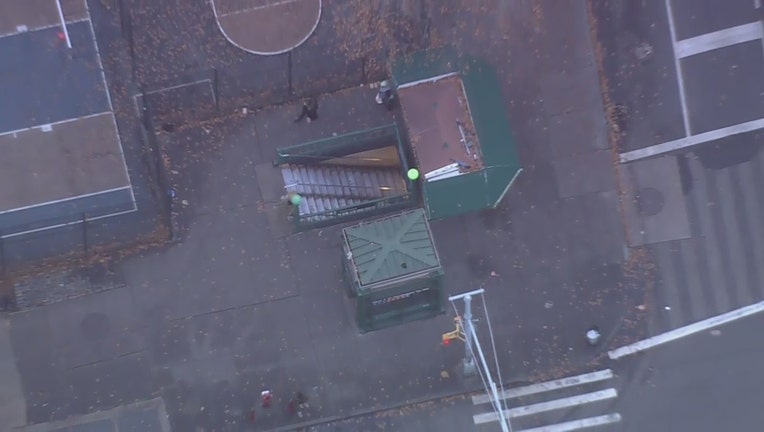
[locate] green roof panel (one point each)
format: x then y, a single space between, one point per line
391 247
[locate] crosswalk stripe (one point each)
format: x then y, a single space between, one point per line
562 383
703 211
735 247
669 287
541 407
755 229
575 425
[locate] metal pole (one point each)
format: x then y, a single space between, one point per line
2 255
215 90
469 356
503 417
85 234
470 367
289 73
63 24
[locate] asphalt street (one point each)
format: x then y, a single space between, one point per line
707 382
690 69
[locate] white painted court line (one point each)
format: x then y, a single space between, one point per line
43 126
562 383
134 209
111 106
63 200
541 407
690 141
575 425
254 8
237 45
679 75
45 27
686 330
718 39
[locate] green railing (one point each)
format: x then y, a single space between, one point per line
357 211
338 146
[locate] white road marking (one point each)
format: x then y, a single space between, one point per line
575 425
541 407
690 141
687 330
679 75
718 39
547 386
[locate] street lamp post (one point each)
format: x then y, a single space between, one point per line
469 355
472 345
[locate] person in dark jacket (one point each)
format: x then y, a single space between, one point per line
309 110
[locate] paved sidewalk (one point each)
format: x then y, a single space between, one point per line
12 403
239 306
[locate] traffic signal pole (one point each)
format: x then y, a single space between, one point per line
470 366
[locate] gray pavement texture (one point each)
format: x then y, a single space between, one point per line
707 382
705 238
447 415
145 416
239 305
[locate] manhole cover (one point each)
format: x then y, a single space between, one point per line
650 201
95 326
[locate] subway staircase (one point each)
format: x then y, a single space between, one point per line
329 187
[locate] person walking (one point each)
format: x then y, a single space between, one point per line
309 110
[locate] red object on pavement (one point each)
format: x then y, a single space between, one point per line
61 36
266 397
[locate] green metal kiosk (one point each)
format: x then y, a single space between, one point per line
393 270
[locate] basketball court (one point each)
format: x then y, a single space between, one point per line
62 156
267 27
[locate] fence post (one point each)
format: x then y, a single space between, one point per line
289 73
2 255
364 60
216 93
126 27
85 234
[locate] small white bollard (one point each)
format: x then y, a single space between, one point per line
593 336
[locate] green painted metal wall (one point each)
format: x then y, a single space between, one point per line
485 188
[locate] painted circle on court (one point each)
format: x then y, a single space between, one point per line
267 27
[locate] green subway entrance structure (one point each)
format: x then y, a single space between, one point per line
456 135
460 136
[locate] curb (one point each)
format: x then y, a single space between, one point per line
332 419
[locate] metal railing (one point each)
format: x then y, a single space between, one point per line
356 211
